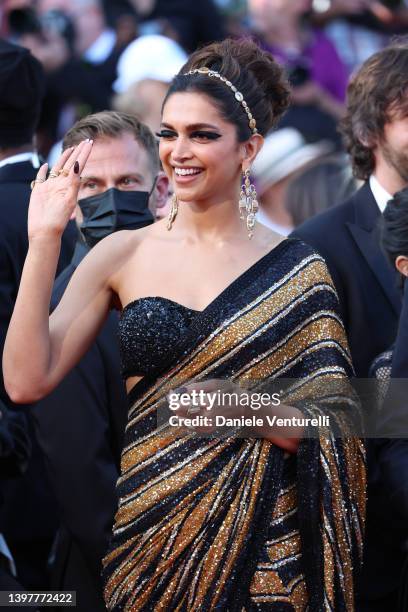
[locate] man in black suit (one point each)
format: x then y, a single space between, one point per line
22 90
81 423
27 514
87 76
15 449
79 53
375 130
376 133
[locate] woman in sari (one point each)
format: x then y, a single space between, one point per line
264 522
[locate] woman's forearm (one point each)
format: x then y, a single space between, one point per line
27 357
27 351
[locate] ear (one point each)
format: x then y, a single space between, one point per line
250 149
161 190
401 263
365 138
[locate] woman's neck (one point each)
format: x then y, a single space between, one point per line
215 221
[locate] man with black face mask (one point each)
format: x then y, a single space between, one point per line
80 424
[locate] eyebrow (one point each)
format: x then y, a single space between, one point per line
98 179
194 126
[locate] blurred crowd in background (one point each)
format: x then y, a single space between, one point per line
121 54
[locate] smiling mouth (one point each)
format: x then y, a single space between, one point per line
187 171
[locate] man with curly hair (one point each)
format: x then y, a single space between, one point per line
375 129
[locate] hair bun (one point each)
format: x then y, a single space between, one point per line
253 71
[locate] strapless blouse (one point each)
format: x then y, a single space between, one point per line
148 329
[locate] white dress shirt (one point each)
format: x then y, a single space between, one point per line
381 196
21 157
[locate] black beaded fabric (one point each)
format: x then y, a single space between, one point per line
148 329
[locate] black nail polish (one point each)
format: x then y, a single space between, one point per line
76 167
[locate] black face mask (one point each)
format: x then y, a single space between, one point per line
113 210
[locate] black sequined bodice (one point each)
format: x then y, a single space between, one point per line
148 329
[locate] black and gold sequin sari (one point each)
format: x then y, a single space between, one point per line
238 524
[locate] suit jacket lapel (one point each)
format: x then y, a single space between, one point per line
365 233
22 172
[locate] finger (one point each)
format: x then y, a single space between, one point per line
206 386
69 164
80 157
42 172
74 155
194 410
65 155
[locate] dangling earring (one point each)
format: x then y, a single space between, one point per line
248 203
173 211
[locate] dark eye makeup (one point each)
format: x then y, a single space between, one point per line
208 135
166 134
197 134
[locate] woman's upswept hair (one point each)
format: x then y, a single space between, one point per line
251 70
376 93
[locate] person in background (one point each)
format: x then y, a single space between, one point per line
88 76
80 59
94 40
323 183
15 451
394 241
375 129
376 133
121 17
193 24
234 13
357 28
121 188
388 368
145 70
315 70
27 517
284 153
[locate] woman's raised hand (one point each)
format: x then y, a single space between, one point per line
53 199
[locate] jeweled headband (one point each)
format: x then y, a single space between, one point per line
238 94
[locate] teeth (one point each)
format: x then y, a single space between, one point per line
185 171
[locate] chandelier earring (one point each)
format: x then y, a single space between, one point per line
173 211
248 204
